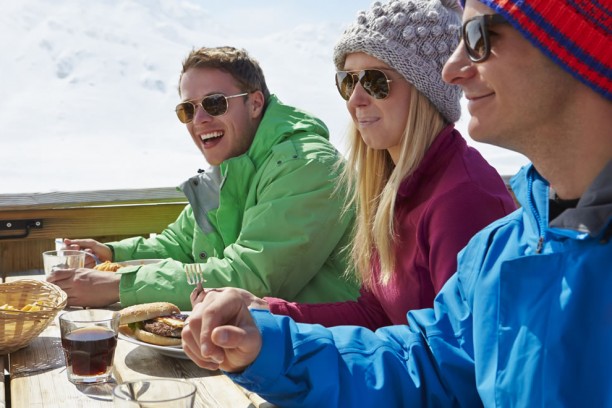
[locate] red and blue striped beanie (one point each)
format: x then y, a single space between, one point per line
576 34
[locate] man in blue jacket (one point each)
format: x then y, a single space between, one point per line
527 318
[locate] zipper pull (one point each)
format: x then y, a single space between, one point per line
540 245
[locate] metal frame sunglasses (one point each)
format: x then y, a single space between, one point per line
214 105
374 81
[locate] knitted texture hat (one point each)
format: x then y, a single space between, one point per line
575 34
415 38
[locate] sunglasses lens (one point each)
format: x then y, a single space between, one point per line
215 105
375 83
345 84
474 37
184 112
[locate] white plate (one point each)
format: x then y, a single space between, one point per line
139 262
170 351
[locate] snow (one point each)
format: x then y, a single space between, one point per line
88 88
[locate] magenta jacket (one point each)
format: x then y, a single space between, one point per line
453 194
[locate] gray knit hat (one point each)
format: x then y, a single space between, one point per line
414 37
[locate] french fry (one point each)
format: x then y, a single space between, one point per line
30 307
108 266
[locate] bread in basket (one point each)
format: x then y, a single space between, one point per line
18 327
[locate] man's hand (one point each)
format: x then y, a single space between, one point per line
101 251
87 287
221 333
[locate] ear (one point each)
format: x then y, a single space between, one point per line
256 104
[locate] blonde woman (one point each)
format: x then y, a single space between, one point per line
420 192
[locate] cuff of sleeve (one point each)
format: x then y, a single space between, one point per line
127 294
276 305
268 365
119 251
112 249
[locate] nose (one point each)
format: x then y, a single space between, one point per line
200 115
359 97
458 67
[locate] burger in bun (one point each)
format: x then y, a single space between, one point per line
157 323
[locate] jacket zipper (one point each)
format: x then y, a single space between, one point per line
532 207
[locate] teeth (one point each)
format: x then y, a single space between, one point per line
211 135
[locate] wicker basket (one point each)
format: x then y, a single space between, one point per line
18 328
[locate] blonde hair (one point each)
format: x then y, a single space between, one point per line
375 181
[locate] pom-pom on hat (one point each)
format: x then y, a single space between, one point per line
415 38
577 35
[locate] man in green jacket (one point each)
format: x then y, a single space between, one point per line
266 217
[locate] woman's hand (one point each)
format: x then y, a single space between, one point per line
253 302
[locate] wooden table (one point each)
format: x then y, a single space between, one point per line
37 377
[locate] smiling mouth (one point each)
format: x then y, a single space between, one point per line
475 98
209 137
366 121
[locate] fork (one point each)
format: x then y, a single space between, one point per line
194 273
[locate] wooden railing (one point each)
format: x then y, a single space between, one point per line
102 215
29 223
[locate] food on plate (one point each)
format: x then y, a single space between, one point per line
108 266
30 307
157 323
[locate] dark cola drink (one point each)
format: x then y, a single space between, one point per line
89 351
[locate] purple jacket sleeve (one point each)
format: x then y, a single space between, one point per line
366 311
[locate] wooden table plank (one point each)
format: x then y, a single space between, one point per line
38 377
133 362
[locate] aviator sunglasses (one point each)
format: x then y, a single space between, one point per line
214 105
476 37
373 81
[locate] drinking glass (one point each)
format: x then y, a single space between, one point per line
89 339
155 393
63 259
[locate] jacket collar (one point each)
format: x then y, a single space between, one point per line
592 215
435 157
278 123
202 192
